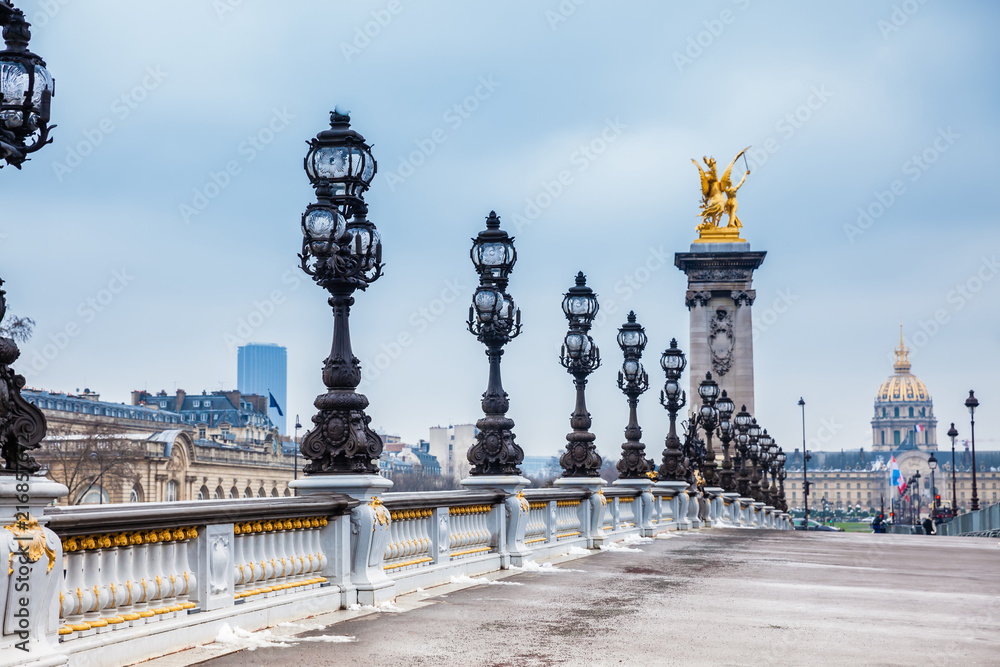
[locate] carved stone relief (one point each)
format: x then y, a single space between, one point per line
721 341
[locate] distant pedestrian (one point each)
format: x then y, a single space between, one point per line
929 526
877 524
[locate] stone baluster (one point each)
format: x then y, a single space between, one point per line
242 574
76 597
126 574
186 581
99 593
118 594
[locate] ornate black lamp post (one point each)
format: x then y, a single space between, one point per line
708 416
764 443
972 403
26 90
753 451
633 381
673 398
495 321
726 407
743 421
953 433
580 357
22 424
342 252
932 463
782 457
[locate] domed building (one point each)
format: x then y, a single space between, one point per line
904 412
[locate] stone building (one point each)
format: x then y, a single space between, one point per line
449 445
904 427
169 455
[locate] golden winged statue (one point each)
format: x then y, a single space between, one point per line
718 198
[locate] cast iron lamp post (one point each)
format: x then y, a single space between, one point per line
805 467
633 381
972 403
26 90
932 463
708 415
726 407
782 457
953 433
754 453
580 357
673 398
764 443
341 252
742 421
495 321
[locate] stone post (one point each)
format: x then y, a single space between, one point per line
514 519
592 508
672 492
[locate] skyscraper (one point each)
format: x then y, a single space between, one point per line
262 368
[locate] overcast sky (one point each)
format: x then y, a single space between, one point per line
161 227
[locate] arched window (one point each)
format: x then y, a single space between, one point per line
261 493
911 412
233 493
173 491
274 492
135 495
247 493
94 495
203 493
219 493
288 493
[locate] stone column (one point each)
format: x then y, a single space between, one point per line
719 298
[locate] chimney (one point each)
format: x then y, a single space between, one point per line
181 394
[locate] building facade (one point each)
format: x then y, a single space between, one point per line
262 369
904 411
224 416
450 446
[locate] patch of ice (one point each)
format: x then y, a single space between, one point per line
578 551
636 539
476 581
329 639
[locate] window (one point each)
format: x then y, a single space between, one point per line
895 412
911 412
201 433
261 493
219 493
135 495
923 412
95 494
895 435
196 404
203 493
172 491
163 404
883 437
247 493
233 493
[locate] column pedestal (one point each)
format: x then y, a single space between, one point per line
644 513
364 547
591 510
672 491
514 519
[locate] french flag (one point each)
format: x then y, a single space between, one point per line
919 428
897 478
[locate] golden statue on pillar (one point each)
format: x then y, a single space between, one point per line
718 198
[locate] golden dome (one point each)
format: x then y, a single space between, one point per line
902 387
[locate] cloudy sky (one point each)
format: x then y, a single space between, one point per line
160 229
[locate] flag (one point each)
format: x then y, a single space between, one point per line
274 404
919 428
897 477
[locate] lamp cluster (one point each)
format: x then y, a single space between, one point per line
26 91
580 357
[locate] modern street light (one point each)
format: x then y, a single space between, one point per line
633 381
953 433
495 321
932 462
805 464
972 403
341 252
26 91
580 357
726 407
673 398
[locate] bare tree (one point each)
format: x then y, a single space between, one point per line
95 458
17 328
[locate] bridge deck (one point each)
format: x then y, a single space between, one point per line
719 597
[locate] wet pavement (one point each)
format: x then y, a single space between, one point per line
716 597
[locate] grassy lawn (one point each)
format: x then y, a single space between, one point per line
855 527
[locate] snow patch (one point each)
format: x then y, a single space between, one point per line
636 539
247 640
614 546
544 568
385 606
578 551
476 581
667 536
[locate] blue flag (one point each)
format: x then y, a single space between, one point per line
274 404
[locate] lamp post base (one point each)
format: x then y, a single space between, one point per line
360 544
511 521
592 509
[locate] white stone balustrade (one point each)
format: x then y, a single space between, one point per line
409 539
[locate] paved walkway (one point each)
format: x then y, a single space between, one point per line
718 597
